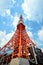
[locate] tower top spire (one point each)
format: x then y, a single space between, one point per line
21 17
21 20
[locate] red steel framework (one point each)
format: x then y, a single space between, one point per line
20 41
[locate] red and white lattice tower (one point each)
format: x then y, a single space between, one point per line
19 42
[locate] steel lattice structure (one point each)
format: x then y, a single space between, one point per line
20 41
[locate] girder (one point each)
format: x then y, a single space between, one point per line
19 41
22 47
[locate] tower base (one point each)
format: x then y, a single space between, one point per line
19 61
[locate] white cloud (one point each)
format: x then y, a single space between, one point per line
4 38
8 11
28 28
14 1
40 34
30 34
33 9
15 20
5 4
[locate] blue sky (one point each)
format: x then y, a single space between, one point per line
32 12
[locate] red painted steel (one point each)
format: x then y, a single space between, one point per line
19 42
